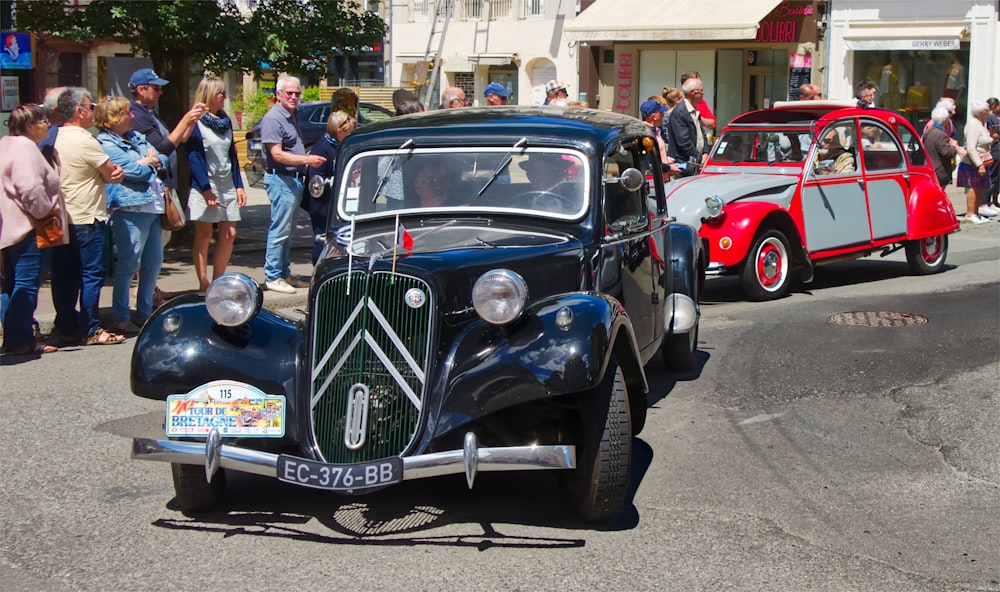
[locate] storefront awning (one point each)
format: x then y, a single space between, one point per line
492 59
915 37
673 20
412 58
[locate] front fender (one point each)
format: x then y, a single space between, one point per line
931 212
730 236
263 353
491 368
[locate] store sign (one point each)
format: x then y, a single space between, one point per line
789 22
15 51
902 44
623 83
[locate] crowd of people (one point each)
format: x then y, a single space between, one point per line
69 196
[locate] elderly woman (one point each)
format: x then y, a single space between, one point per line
136 206
941 148
29 193
972 168
338 125
217 186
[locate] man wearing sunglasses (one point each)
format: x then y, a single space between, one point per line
284 176
147 88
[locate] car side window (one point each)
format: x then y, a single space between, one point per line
319 116
914 149
836 153
624 211
879 148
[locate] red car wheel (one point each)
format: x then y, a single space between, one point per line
927 255
765 273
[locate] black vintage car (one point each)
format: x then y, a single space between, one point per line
494 282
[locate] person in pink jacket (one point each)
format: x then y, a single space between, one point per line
29 193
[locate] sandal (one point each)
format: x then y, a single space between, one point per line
36 349
102 337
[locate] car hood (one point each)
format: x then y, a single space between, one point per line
686 198
455 253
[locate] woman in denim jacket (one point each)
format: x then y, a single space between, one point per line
136 207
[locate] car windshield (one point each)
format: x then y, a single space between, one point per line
762 146
540 182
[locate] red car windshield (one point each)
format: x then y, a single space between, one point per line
747 147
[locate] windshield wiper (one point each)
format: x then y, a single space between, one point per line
381 181
503 164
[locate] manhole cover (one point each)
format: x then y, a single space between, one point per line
871 318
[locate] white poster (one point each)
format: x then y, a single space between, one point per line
10 92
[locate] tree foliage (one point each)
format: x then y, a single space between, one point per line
295 36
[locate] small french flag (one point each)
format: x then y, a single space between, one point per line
404 239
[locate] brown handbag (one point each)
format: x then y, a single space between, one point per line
985 157
173 216
49 231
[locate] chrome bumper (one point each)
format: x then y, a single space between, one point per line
714 269
470 460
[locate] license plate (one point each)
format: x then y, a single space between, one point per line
346 477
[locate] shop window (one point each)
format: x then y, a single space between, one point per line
912 82
507 76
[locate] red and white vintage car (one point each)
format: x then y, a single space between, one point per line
809 183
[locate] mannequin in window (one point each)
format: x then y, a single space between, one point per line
892 84
954 78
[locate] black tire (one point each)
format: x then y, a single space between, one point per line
599 484
678 350
926 256
194 493
766 273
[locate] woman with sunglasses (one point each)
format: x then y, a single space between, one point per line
217 192
29 192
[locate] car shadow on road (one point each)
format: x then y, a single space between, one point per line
433 512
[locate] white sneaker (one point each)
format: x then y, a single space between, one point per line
280 285
989 211
974 218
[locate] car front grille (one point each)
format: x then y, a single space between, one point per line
370 355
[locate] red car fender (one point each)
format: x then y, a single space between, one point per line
931 212
729 237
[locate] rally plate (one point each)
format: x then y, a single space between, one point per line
339 477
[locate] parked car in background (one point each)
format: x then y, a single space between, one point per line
810 183
312 118
495 281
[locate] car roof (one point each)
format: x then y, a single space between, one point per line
807 113
503 126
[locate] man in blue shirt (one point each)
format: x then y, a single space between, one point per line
284 176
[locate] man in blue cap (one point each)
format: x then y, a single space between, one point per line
496 94
146 89
651 113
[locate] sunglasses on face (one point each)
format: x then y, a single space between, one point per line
292 93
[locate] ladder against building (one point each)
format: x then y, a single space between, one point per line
443 10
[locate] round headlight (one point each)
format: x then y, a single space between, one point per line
233 299
499 296
714 204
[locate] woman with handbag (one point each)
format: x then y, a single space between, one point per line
137 206
217 186
30 199
972 168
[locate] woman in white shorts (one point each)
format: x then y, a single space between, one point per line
216 184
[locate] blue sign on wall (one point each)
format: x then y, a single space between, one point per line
15 51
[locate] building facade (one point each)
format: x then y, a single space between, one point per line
749 53
916 51
518 43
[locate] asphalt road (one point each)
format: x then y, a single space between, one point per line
802 455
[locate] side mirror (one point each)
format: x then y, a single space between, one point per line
317 184
632 179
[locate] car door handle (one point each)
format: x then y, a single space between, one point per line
861 182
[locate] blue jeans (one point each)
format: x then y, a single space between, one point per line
22 268
80 268
139 239
284 192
